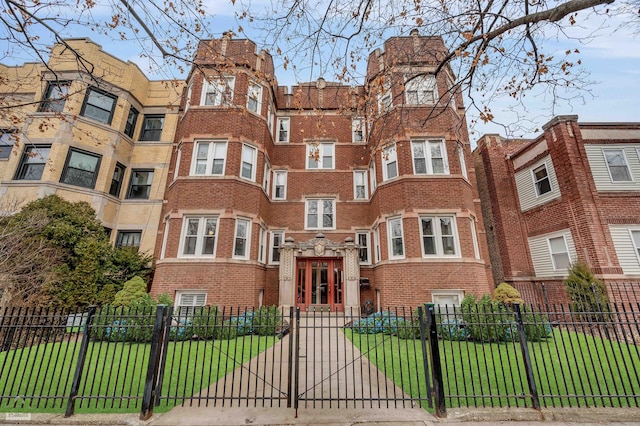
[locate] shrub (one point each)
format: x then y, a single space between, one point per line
485 319
266 321
506 294
204 322
387 323
536 325
588 294
452 328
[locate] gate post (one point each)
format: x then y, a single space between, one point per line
297 360
425 359
436 366
152 366
82 355
290 364
528 368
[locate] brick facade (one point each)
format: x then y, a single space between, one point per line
320 112
590 200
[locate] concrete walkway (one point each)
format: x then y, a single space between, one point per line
333 374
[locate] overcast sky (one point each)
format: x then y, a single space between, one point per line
612 59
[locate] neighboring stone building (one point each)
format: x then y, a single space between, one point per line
324 195
103 135
571 194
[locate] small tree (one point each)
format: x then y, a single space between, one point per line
587 293
506 294
133 292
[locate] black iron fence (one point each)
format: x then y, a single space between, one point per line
476 355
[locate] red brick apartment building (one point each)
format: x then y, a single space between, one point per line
321 195
571 194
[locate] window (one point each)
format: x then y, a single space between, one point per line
55 96
372 176
635 236
617 164
283 129
357 130
429 157
140 184
176 168
7 140
128 239
395 237
254 98
242 239
217 92
447 298
132 119
438 236
384 99
389 163
360 185
362 239
421 90
187 102
266 177
81 168
559 253
277 239
541 180
32 162
248 167
320 214
188 301
262 250
209 158
98 105
198 236
474 237
116 180
152 128
320 156
270 116
463 164
279 185
376 243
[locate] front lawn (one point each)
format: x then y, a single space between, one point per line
570 368
116 369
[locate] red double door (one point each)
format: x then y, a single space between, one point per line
319 282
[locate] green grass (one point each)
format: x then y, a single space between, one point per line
567 365
116 369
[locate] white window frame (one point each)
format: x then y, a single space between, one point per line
474 237
389 156
176 168
256 90
391 237
367 246
247 238
363 184
266 177
438 237
187 102
252 162
536 181
428 158
447 293
376 244
276 175
199 236
262 245
272 247
185 310
322 149
358 130
210 158
463 163
385 99
636 244
552 253
221 87
319 213
284 126
270 116
626 163
372 176
421 90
